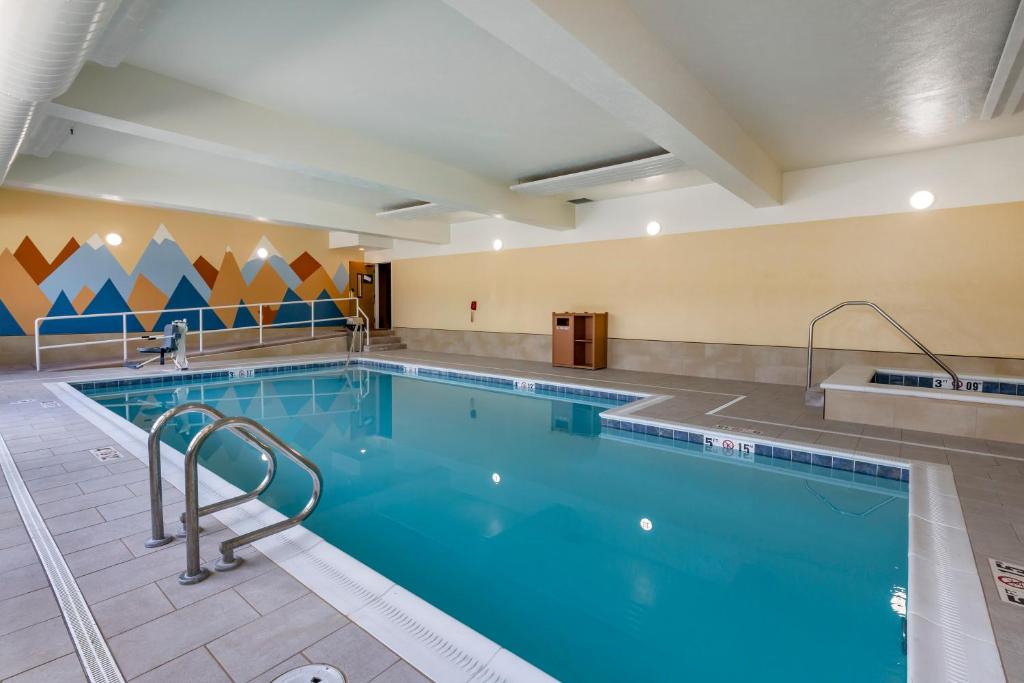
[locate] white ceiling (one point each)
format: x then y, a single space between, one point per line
810 82
826 81
412 72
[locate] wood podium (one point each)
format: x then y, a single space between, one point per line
579 340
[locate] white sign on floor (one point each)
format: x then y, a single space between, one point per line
22 400
106 453
1009 580
50 404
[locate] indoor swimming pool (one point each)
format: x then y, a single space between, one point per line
592 554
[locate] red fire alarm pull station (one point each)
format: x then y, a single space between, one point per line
472 310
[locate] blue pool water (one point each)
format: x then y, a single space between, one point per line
513 514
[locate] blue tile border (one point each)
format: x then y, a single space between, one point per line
541 388
848 468
638 429
984 386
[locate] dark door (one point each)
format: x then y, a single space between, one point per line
384 296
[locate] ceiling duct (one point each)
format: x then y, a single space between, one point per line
1006 95
43 45
604 175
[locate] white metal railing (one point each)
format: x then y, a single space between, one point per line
201 332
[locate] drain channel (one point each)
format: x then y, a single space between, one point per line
97 661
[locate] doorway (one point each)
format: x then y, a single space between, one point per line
383 300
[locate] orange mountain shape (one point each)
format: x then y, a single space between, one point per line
228 289
146 297
35 264
316 282
266 287
82 299
206 270
305 265
20 294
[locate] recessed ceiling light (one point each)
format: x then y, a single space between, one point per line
497 244
262 252
922 199
362 248
653 228
113 239
499 215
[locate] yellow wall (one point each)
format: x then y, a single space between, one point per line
953 277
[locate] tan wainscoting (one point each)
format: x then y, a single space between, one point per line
774 364
956 418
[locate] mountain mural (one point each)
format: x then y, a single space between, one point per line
86 278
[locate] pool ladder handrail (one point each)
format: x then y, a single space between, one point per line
157 536
194 572
902 330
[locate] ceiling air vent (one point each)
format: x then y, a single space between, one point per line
414 210
581 200
636 169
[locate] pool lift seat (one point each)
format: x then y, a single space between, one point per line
171 342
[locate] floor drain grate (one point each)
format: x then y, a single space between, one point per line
312 673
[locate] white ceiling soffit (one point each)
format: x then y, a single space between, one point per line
602 50
1006 96
349 240
144 104
614 173
79 176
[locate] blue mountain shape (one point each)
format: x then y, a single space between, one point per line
108 300
244 318
327 312
9 327
62 306
252 267
186 296
297 313
164 264
87 267
341 279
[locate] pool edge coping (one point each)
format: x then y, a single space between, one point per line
932 543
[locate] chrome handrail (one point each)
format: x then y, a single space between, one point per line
194 572
891 320
156 494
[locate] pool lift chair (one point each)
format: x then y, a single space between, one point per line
173 341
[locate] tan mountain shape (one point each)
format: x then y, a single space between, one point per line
82 299
146 297
228 289
20 294
316 282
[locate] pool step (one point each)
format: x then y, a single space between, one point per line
384 340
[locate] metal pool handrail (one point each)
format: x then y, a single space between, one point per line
195 573
902 330
156 495
124 338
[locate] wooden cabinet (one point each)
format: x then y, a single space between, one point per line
579 340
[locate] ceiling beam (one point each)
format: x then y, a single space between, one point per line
79 176
601 49
148 105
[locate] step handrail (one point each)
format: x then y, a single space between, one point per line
156 494
194 572
902 330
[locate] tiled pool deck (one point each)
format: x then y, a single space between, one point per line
258 621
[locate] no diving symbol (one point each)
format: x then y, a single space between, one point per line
1011 581
728 444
